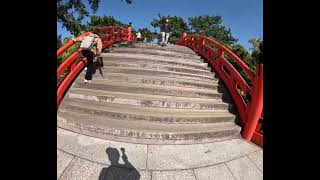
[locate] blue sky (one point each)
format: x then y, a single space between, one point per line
244 17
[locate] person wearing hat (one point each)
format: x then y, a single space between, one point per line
91 54
165 32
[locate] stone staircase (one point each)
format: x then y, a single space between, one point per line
150 95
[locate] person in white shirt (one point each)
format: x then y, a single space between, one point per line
138 36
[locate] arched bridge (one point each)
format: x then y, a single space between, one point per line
186 93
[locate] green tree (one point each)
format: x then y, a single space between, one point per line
177 24
257 53
260 58
59 43
244 55
97 21
146 33
255 43
68 52
71 12
210 26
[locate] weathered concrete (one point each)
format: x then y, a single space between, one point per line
155 52
159 133
173 175
82 169
63 161
94 149
169 47
148 56
154 80
147 100
244 169
165 108
157 67
159 62
216 172
257 159
91 159
183 157
149 89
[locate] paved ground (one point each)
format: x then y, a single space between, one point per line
82 157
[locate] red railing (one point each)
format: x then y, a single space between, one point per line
72 67
250 109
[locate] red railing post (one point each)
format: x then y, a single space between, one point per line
182 41
220 55
129 33
183 36
256 105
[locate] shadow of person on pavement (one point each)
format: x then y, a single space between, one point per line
118 171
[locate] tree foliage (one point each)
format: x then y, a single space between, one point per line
71 12
98 21
68 52
59 42
244 55
257 51
177 24
210 26
255 43
146 33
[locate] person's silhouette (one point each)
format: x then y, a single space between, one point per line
118 171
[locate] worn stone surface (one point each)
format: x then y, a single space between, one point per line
257 159
243 169
216 172
167 157
87 170
173 175
95 149
63 160
80 169
169 86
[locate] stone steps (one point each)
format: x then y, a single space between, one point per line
147 132
117 64
143 116
158 72
150 96
155 52
167 62
151 57
170 47
145 100
154 80
148 89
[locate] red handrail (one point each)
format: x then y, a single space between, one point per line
112 34
250 111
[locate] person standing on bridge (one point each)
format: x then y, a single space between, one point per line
138 36
91 53
165 32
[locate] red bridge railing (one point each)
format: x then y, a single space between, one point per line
247 98
70 67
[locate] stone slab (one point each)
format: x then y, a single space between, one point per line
171 157
94 149
173 175
243 169
257 159
63 160
216 172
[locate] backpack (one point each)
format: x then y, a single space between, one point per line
87 42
